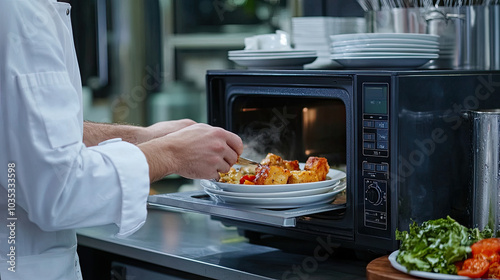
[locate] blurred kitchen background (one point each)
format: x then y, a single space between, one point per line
144 61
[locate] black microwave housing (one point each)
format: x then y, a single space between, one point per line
403 138
422 171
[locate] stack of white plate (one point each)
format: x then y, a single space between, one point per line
384 50
447 54
278 196
313 33
272 59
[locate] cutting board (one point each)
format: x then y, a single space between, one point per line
381 269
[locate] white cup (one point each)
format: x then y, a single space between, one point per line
276 41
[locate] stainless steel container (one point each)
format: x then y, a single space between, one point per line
479 39
477 32
486 156
396 20
448 24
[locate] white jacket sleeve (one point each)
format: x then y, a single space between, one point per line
60 183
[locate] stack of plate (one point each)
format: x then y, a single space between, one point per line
313 33
278 196
447 53
384 50
272 59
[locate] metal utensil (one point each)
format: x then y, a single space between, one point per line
245 161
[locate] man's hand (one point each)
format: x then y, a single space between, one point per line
163 128
198 151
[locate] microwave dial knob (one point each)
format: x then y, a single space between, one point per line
374 194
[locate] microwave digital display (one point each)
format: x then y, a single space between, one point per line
375 99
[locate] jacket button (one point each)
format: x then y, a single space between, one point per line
67 11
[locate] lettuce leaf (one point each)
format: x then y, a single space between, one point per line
435 245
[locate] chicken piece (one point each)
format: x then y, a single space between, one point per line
231 177
272 160
291 164
275 160
319 165
271 175
302 176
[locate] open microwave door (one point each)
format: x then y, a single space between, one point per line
199 201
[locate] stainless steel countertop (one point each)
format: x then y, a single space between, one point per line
194 243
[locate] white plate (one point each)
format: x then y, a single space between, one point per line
423 43
383 54
281 202
255 53
273 61
383 62
391 50
210 187
422 274
333 177
386 46
398 36
271 57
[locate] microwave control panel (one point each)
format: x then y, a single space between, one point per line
375 150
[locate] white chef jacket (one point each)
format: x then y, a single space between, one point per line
60 184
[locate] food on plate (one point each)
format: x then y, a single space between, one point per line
484 261
494 271
273 170
271 175
247 180
302 176
436 245
234 175
275 160
473 268
319 166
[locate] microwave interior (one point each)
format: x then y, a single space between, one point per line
294 128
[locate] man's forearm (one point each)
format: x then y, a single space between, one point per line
94 133
159 165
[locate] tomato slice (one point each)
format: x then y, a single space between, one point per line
250 178
487 246
493 271
474 268
487 249
489 256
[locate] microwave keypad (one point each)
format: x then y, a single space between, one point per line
375 203
375 136
375 170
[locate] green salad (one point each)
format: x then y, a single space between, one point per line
435 245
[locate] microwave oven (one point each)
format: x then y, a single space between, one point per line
401 137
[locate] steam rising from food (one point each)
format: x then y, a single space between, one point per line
269 134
